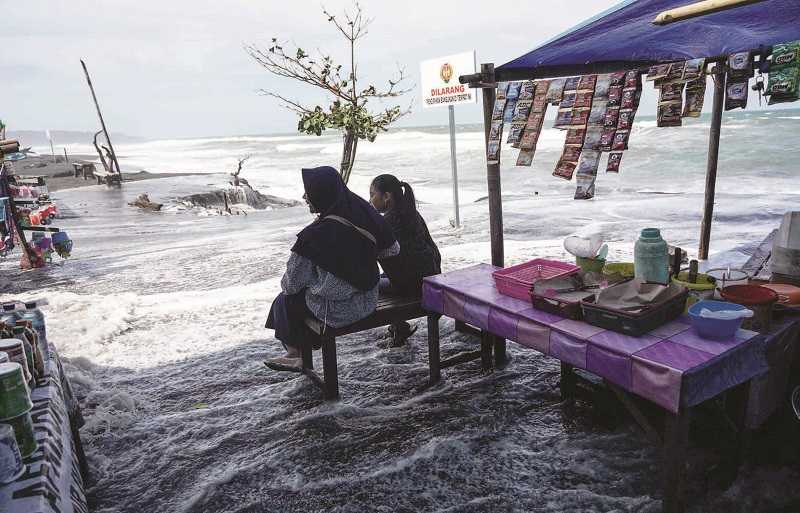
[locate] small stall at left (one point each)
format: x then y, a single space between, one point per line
26 206
42 464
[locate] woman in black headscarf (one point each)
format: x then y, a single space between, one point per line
332 272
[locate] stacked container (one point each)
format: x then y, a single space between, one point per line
15 406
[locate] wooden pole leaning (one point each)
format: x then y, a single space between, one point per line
495 198
713 159
102 123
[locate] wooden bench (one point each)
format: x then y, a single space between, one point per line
85 169
390 309
104 176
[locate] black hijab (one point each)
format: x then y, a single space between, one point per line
335 247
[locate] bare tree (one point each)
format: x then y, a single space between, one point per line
348 110
236 180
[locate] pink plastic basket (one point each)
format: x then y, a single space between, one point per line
517 281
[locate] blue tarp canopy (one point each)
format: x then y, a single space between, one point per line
625 37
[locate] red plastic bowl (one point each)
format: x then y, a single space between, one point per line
749 295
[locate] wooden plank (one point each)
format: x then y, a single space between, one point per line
492 174
637 414
386 314
466 356
102 121
568 381
433 348
463 327
330 389
713 160
702 8
676 445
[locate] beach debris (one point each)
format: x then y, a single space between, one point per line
143 202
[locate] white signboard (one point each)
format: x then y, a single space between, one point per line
439 79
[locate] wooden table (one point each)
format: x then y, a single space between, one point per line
671 367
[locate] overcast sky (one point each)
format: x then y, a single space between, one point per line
176 68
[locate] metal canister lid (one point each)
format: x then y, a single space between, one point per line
10 343
9 368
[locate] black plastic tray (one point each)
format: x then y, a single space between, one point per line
634 323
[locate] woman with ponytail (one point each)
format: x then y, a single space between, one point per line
419 256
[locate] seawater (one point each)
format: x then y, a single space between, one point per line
159 317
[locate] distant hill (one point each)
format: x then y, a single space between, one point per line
61 137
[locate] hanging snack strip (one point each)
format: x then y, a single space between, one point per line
533 126
573 114
589 160
625 91
784 73
740 69
496 128
668 78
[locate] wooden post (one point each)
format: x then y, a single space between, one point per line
66 158
676 445
329 369
492 172
568 381
495 197
102 122
433 348
713 158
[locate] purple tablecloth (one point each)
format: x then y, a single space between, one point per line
671 366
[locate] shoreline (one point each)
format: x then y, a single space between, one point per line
60 174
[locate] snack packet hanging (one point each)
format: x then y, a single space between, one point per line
565 169
527 90
580 116
515 132
669 114
496 130
508 113
568 100
525 158
740 65
625 121
571 84
692 69
736 95
614 160
513 90
502 90
658 72
607 138
493 152
783 86
563 118
575 136
555 91
497 112
614 96
591 141
695 96
598 113
522 110
601 87
620 140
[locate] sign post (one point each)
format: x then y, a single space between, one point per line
440 87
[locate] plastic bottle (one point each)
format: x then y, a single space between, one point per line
651 257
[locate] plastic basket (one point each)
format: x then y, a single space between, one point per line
517 281
635 324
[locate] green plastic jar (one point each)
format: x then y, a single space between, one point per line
651 258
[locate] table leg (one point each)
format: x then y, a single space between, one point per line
486 350
433 348
676 443
568 380
499 351
305 353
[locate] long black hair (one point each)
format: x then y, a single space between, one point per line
402 193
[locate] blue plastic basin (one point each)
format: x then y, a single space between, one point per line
714 328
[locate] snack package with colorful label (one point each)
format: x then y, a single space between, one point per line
565 169
617 79
539 103
693 69
571 84
575 136
670 92
598 113
614 160
580 116
587 83
614 96
525 158
493 152
508 113
496 130
633 80
736 95
625 121
695 96
499 107
612 117
502 90
675 72
529 138
669 114
522 110
571 153
587 174
555 91
568 100
592 139
583 99
601 87
785 55
658 72
783 86
607 138
740 65
513 90
630 98
563 118
515 132
620 140
527 90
